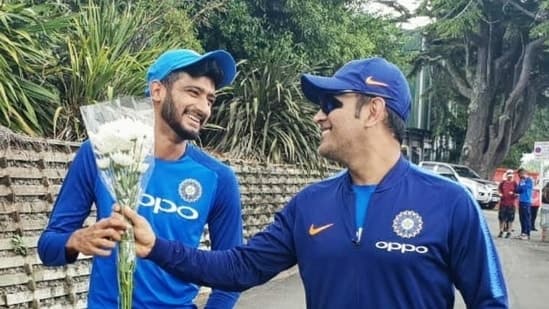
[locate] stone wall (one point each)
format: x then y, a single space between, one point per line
31 173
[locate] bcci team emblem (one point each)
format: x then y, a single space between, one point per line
407 224
190 190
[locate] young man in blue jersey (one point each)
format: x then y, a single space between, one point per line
524 189
187 190
381 234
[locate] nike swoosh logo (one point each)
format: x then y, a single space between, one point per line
315 230
371 81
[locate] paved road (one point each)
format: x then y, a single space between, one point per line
526 267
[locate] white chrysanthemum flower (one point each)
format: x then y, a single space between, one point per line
116 135
103 163
122 159
129 129
104 142
125 145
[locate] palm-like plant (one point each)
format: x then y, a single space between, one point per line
108 50
27 102
264 116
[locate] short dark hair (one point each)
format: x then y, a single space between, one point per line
396 124
520 170
208 68
362 100
393 121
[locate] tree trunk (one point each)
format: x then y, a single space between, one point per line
490 133
495 65
480 105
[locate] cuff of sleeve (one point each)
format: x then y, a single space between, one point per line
64 257
220 299
159 252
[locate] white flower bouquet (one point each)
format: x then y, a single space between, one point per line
121 133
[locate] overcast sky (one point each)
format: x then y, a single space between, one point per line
410 4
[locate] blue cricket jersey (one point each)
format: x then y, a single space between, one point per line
423 236
181 197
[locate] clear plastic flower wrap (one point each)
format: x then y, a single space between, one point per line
121 132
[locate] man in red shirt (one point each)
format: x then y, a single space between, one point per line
506 214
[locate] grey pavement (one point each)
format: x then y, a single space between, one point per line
525 263
280 293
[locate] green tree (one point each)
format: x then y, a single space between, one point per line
321 31
495 52
27 100
449 117
58 55
264 115
109 46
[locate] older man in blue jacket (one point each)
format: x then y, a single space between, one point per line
380 234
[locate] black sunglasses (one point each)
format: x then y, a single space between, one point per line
328 102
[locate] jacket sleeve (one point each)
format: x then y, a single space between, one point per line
71 208
529 184
266 254
474 262
225 228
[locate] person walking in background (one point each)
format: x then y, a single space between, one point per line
187 189
506 214
536 202
545 193
524 190
382 233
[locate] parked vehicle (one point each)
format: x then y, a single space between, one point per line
484 191
449 176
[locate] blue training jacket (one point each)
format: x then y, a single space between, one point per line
525 188
181 197
423 235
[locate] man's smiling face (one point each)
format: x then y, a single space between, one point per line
188 105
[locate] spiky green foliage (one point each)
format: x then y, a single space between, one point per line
108 50
26 100
264 116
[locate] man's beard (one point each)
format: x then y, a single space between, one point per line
173 119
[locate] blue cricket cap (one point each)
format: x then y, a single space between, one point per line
372 76
175 59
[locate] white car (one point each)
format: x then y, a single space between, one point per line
484 191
